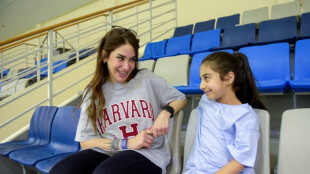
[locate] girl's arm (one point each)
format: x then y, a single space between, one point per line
161 124
137 142
231 168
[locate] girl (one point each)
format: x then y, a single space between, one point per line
125 114
228 129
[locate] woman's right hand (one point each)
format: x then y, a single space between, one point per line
140 141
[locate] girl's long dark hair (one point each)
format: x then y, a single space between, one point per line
244 83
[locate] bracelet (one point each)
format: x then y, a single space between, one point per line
169 109
124 144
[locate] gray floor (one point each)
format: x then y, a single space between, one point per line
276 105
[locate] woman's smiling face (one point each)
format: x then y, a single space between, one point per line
120 63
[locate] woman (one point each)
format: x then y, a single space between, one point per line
125 114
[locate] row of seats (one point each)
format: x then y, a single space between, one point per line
14 81
271 31
249 16
270 64
51 139
52 132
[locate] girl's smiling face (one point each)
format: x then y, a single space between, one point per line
211 83
120 63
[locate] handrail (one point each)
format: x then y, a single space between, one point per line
62 24
44 58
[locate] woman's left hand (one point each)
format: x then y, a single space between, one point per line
161 124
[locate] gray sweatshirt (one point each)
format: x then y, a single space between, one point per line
131 108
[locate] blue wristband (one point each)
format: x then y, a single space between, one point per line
124 144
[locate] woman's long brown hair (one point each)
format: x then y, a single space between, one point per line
112 40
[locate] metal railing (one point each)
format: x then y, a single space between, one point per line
34 64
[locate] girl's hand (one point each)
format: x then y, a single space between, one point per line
161 124
140 141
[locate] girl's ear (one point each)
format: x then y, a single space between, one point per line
230 77
105 58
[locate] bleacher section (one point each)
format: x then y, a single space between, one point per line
270 48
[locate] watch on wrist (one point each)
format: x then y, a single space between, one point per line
124 144
169 109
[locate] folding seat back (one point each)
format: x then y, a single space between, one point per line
294 154
176 75
278 30
64 129
227 21
204 26
255 15
270 65
239 36
285 10
4 72
147 51
178 45
148 64
305 25
262 162
205 41
174 138
301 76
62 139
39 132
60 65
158 49
43 64
183 30
154 50
190 136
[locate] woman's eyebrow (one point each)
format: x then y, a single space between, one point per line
120 55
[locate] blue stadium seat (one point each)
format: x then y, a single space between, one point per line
204 26
270 65
238 36
227 21
277 30
39 131
178 45
62 139
83 53
44 166
205 41
92 51
43 70
301 77
60 65
4 71
154 50
194 74
57 66
304 26
183 30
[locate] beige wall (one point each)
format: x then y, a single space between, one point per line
190 12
